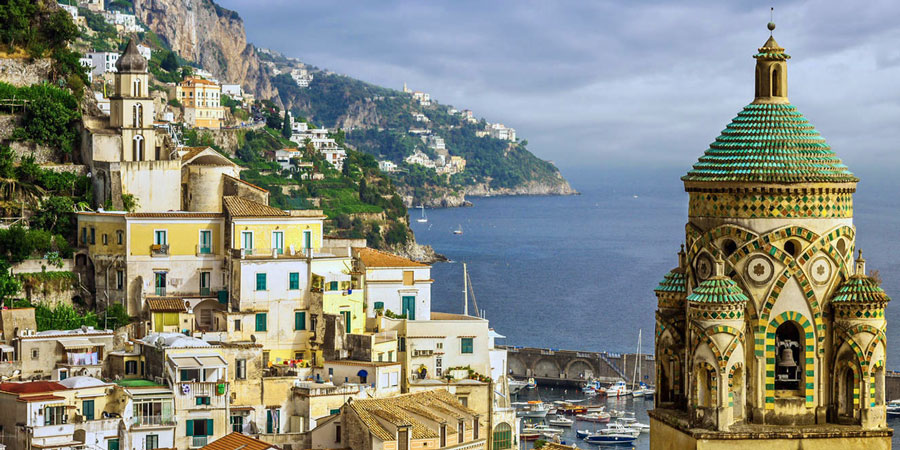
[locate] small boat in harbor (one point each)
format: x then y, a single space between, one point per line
423 218
893 408
529 436
571 410
560 421
541 428
617 428
458 230
610 438
617 389
536 410
581 434
593 417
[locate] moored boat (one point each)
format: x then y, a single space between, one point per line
893 408
617 389
536 410
581 434
593 417
561 421
610 439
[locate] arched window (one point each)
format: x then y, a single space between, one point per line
776 82
729 247
139 117
848 386
792 247
878 385
758 82
502 436
705 388
138 148
737 393
788 363
136 88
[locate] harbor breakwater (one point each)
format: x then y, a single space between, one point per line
554 367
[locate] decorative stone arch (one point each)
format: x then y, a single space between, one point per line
667 355
664 324
791 271
517 367
741 235
502 436
840 387
138 150
809 345
825 245
701 370
722 357
583 361
546 363
876 381
860 356
736 367
878 337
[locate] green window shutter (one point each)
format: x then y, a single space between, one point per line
379 305
294 278
299 320
467 345
209 427
333 286
261 322
260 282
190 427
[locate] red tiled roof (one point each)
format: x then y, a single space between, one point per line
165 305
32 387
39 398
235 441
377 258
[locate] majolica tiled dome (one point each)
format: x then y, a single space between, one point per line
673 282
860 289
718 289
770 143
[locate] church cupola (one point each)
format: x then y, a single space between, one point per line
771 72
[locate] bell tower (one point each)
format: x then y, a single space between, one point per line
765 322
131 107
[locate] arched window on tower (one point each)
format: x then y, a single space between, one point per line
788 363
847 388
139 123
776 82
705 387
136 87
138 148
758 83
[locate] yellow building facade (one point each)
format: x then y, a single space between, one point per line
202 102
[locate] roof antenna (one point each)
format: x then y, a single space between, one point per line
771 24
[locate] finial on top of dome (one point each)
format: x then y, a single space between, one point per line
860 264
771 24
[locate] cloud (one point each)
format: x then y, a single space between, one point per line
610 83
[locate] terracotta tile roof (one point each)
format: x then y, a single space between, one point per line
246 183
192 152
237 441
403 409
239 207
39 398
165 305
377 258
176 214
32 387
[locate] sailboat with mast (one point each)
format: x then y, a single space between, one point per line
423 218
638 387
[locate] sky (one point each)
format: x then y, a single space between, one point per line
614 84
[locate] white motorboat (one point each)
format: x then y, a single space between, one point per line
617 389
536 410
893 408
596 409
610 438
541 428
617 428
458 230
561 421
423 218
593 417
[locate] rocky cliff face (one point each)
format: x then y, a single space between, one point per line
213 36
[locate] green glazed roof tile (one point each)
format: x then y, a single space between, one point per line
717 290
673 283
770 143
860 289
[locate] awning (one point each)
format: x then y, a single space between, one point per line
6 348
76 343
362 373
337 276
197 362
495 335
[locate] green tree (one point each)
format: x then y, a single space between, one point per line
9 284
286 126
56 214
169 62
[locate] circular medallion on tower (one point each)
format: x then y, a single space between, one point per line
704 267
760 269
820 270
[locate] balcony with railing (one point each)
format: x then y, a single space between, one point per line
199 441
153 421
269 253
159 250
187 394
204 249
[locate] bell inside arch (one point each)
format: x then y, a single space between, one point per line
786 360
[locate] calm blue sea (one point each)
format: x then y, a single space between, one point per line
578 272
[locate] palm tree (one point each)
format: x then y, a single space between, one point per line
14 190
